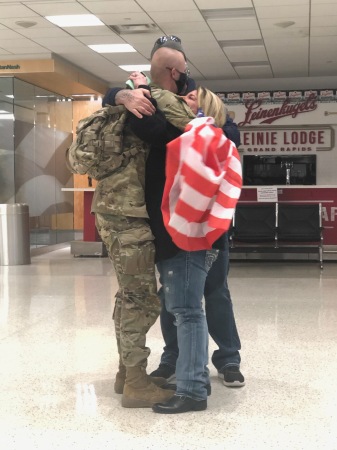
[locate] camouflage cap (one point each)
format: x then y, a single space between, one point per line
170 42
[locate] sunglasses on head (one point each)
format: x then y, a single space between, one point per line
163 39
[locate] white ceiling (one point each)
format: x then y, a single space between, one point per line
284 43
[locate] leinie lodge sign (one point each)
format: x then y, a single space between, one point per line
295 139
265 115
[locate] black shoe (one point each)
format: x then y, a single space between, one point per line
231 376
164 371
179 404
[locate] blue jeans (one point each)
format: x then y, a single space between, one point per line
219 316
183 280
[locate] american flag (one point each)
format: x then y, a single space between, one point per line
203 185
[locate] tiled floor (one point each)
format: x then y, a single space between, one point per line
58 358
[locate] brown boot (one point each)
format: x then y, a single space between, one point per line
140 391
120 379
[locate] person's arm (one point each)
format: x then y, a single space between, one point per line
176 111
232 131
136 101
151 129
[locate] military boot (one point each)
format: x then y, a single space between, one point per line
121 375
120 379
140 391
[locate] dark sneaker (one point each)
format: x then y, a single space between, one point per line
164 371
231 376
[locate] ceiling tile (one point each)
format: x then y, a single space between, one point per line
248 23
291 32
237 34
300 22
57 8
94 40
324 9
178 28
172 5
40 22
8 34
248 54
279 12
4 53
15 10
89 31
122 19
286 44
280 2
177 16
122 6
254 72
323 31
324 21
219 4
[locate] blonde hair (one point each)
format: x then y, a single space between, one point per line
211 105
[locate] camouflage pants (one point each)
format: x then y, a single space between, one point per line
129 242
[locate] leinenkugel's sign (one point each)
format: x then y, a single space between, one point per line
268 114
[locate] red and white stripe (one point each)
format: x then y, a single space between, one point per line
203 185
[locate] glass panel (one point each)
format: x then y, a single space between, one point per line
7 186
43 131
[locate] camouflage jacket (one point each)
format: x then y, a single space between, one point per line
122 193
176 111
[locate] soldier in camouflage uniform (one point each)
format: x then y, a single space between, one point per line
119 206
120 214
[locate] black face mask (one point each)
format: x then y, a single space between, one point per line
181 83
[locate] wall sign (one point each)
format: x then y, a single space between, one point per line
281 139
9 67
268 114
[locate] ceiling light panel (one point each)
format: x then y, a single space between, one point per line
136 67
242 43
134 28
75 20
112 48
227 13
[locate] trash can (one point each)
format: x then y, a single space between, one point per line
14 234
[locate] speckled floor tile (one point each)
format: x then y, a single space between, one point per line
58 358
